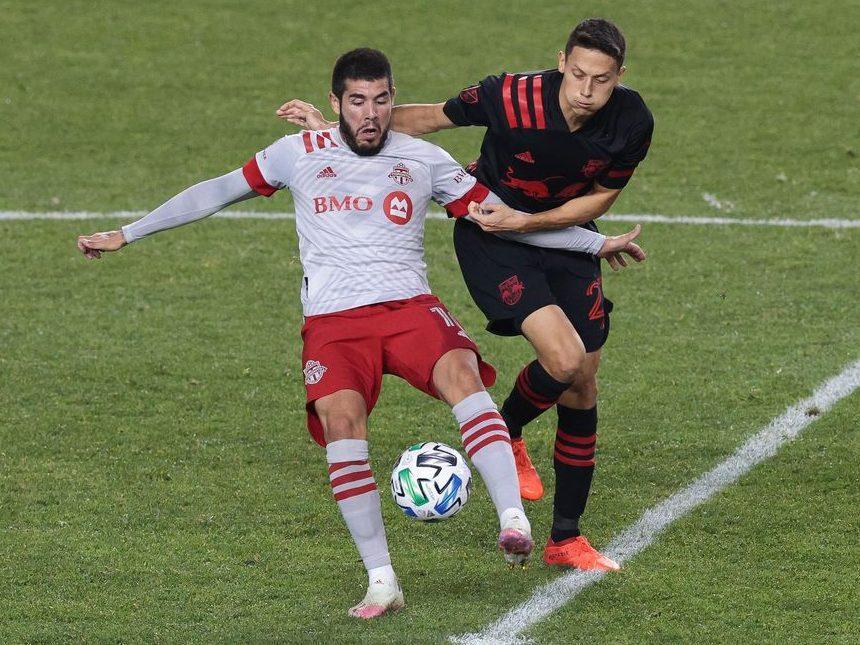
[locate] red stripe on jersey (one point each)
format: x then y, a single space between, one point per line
506 99
352 492
306 137
331 143
537 95
621 173
523 95
320 141
255 178
460 207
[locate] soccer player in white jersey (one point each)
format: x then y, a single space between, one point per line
361 194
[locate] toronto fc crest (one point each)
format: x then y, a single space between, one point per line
400 174
511 290
314 371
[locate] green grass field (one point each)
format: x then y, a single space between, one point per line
156 480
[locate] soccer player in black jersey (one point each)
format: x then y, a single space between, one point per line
563 141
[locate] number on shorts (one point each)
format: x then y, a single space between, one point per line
596 311
449 320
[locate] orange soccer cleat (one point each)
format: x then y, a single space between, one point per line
577 552
531 487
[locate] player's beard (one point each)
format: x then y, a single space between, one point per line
349 136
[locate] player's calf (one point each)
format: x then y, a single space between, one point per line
487 443
358 499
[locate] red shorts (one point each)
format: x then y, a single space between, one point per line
352 349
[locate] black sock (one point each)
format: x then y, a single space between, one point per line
575 443
534 391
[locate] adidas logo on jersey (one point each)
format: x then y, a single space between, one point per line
525 156
327 172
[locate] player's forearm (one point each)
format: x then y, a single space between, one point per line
574 238
192 204
576 211
420 118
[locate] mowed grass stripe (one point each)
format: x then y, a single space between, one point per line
763 445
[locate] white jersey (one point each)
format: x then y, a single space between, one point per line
360 220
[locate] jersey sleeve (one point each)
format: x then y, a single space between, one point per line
618 173
271 169
451 186
477 104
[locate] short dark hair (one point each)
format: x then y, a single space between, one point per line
600 34
363 64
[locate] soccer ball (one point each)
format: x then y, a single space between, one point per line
431 481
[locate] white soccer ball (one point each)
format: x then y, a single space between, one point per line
431 481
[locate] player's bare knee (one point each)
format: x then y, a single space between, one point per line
563 366
456 375
583 393
338 426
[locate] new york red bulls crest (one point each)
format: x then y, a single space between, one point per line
511 290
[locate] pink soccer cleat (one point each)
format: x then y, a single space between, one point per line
382 597
515 538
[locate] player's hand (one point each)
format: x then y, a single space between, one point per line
303 115
93 245
495 218
615 247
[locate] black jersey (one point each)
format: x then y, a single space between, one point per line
529 156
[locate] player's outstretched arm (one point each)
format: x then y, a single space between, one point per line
575 238
192 204
411 119
579 210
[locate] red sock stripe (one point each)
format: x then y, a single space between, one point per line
573 462
351 477
475 447
540 402
344 464
486 416
579 441
352 492
574 452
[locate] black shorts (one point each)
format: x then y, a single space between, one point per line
509 281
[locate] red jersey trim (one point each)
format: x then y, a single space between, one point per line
616 174
523 97
255 178
306 137
508 101
460 207
537 95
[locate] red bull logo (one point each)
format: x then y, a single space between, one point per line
511 290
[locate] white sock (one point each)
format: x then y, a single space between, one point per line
384 574
358 499
488 444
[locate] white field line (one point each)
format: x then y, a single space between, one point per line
641 218
763 445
